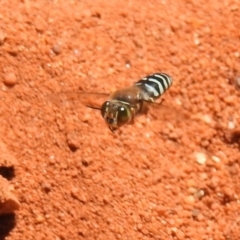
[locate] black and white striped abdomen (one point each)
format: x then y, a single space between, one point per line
155 85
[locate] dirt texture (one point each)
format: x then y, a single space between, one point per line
174 174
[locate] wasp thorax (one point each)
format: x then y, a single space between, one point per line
116 114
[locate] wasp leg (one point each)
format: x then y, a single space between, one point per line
161 101
144 108
112 129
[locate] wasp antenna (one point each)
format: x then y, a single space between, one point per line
111 129
96 108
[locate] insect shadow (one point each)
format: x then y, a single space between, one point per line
7 223
7 172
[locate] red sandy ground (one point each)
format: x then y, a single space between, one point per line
168 176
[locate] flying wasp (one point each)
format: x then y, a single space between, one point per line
124 105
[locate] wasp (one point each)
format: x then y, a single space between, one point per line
124 105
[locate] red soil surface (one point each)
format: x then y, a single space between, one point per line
174 174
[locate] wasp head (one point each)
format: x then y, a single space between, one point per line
115 114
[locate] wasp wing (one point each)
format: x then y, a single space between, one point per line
73 99
168 118
168 112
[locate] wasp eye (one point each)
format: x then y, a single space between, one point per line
123 115
104 108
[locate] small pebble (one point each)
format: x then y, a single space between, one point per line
199 194
128 65
74 192
231 125
238 81
216 159
192 190
189 200
86 118
229 99
180 234
39 219
2 37
13 51
86 13
200 217
200 158
72 142
110 71
195 212
205 143
46 187
196 41
10 79
203 176
206 118
139 226
161 211
174 230
40 24
57 49
178 101
74 173
52 159
85 162
191 183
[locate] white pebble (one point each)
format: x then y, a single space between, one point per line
206 118
147 135
128 65
216 159
237 54
231 125
196 39
200 158
203 117
178 102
